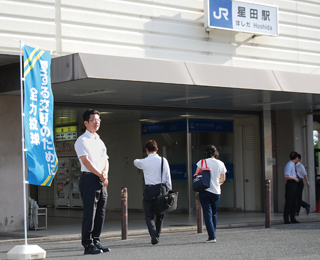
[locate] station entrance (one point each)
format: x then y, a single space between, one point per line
181 139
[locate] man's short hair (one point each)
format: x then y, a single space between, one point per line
293 155
151 145
299 156
88 113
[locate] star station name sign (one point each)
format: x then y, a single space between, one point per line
241 16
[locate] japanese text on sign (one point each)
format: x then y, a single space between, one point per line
241 16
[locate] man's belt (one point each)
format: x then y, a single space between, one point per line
152 185
88 173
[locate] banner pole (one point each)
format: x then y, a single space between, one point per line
24 251
23 149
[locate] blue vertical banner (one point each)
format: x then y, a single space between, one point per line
41 156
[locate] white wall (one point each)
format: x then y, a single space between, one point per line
162 29
11 184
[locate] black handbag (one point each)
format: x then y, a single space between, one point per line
166 201
202 179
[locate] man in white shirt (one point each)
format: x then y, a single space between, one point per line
151 167
301 171
290 173
93 157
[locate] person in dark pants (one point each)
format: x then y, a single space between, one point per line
93 157
290 173
302 173
210 197
151 167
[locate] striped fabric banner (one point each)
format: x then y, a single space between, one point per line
41 157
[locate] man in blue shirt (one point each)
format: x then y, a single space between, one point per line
290 173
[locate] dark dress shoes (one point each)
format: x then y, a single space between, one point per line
91 250
287 222
154 240
308 209
295 221
99 246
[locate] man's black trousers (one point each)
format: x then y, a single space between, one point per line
150 192
291 201
300 202
94 197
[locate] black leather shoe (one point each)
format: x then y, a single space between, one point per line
154 240
295 221
308 209
287 222
92 250
99 246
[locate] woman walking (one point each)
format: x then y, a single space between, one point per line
210 197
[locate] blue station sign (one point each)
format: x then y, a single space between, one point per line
241 16
180 126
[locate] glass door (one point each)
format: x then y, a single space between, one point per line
62 185
75 174
224 144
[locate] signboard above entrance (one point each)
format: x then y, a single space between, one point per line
195 125
241 16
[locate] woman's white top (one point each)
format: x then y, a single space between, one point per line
217 168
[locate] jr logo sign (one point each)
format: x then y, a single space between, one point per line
221 13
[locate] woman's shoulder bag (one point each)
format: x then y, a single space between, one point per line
202 180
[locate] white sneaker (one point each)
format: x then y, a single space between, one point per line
211 240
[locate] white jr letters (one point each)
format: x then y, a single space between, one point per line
222 11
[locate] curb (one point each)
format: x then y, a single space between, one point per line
141 232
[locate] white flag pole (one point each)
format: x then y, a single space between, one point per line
24 251
23 149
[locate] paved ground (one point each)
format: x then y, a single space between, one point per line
66 224
294 241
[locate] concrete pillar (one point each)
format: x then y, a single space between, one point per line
285 141
11 185
310 162
318 153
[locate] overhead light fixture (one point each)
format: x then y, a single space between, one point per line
187 98
148 120
273 103
93 92
105 113
186 115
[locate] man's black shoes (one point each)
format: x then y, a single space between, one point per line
103 249
308 209
154 240
295 221
91 250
